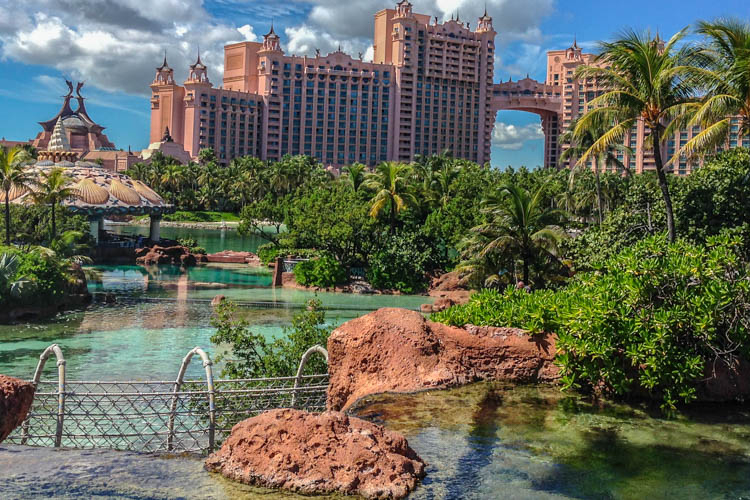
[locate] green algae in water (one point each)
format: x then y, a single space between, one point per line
492 440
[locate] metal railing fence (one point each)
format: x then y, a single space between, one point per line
158 416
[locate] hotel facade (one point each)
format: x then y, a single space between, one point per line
429 88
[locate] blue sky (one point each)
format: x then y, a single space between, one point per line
114 46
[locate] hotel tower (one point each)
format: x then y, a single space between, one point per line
426 90
429 88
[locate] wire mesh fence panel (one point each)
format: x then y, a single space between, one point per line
175 416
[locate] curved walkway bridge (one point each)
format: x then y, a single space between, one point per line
176 416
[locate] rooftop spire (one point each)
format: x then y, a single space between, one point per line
272 32
59 140
164 65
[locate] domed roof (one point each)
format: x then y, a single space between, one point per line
100 192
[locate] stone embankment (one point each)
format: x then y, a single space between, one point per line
232 257
318 453
395 350
16 397
189 225
448 290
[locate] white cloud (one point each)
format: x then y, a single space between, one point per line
513 137
115 45
247 32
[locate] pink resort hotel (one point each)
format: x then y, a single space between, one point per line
428 89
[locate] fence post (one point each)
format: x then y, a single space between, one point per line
178 384
302 363
54 348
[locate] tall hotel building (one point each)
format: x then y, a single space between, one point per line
574 99
426 90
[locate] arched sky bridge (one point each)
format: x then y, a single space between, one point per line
533 97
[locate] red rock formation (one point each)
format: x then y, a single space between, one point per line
232 257
177 255
318 453
395 350
16 397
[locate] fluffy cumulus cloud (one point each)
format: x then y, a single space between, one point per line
513 137
114 45
350 24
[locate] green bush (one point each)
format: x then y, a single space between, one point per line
402 262
648 321
323 272
39 276
192 245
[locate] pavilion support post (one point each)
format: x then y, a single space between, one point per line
154 231
94 228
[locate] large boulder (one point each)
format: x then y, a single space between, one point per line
396 350
16 397
318 453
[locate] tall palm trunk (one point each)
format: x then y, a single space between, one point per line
656 131
54 226
7 217
598 191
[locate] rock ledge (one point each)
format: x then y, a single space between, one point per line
318 453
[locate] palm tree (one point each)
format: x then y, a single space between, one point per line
52 188
519 224
578 147
13 176
392 190
725 79
355 175
646 80
171 177
439 190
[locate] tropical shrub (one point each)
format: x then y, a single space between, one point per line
31 277
649 320
403 262
323 272
252 355
192 245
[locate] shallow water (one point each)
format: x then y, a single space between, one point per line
487 440
213 240
161 313
493 440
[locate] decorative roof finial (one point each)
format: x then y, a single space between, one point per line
58 141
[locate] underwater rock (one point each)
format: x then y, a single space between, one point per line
397 350
16 397
318 453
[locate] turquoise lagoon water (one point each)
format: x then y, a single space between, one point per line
212 240
161 313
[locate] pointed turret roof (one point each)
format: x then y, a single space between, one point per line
198 63
164 65
272 32
59 140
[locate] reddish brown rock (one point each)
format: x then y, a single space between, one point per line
396 350
218 300
318 453
232 257
725 382
176 255
16 397
448 282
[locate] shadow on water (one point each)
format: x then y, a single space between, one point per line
482 439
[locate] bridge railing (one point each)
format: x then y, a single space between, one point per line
158 416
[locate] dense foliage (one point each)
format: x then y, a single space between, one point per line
650 320
32 277
254 356
323 272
